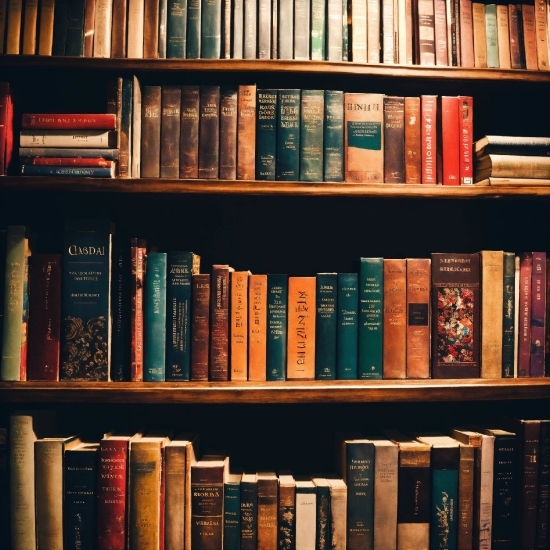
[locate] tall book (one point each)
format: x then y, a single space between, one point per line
209 132
480 35
193 44
517 55
441 45
13 29
189 127
466 136
288 135
228 132
257 327
219 323
264 29
387 38
426 33
176 29
412 153
277 317
285 20
29 27
154 313
450 139
151 28
89 24
306 509
428 134
503 37
491 34
358 30
465 32
268 493
543 497
455 295
246 132
322 531
249 511
311 135
86 303
541 30
135 163
302 22
394 139
238 328
326 326
538 314
509 326
347 326
334 30
119 28
286 515
102 28
150 131
232 512
524 328
124 125
211 29
138 256
266 137
333 134
200 326
338 513
318 33
529 36
364 138
170 132
465 511
250 29
120 305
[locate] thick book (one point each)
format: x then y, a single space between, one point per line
268 492
387 29
232 512
428 134
302 21
364 138
238 328
508 315
529 36
288 135
70 155
135 28
326 325
246 132
45 27
249 511
277 316
412 151
28 29
209 132
441 41
306 513
347 326
119 27
311 135
200 326
189 127
211 29
538 314
456 306
426 33
44 317
219 323
512 166
394 139
151 14
60 20
286 514
228 132
170 132
176 29
480 35
75 29
517 54
257 327
151 102
266 133
263 23
512 145
333 136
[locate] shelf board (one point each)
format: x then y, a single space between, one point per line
339 391
275 66
225 187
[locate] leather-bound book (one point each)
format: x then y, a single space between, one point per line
176 29
326 326
517 55
228 133
480 35
394 139
249 511
347 305
151 29
428 133
333 154
45 31
30 27
509 325
268 492
211 29
277 320
413 149
138 257
200 326
524 328
266 133
189 127
426 32
503 34
529 36
288 135
238 328
466 138
232 512
466 31
246 132
257 327
118 28
287 512
541 31
219 322
538 307
170 132
450 139
311 135
150 131
209 132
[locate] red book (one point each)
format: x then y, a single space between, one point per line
466 135
200 326
44 317
450 141
101 121
138 254
68 161
429 138
524 345
538 306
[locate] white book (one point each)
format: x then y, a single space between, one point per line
373 31
102 28
359 31
306 514
334 30
338 513
387 32
136 129
64 138
516 314
135 28
486 491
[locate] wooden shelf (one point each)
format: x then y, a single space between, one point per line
224 187
274 66
340 391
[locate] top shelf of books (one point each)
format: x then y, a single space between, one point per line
332 68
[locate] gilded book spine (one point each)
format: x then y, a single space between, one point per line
326 326
228 133
277 313
266 126
347 323
538 306
189 127
209 132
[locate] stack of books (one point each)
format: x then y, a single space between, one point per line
512 160
6 127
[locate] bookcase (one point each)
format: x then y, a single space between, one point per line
283 227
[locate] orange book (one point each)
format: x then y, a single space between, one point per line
246 132
529 37
238 328
257 327
466 34
30 26
301 328
503 33
413 153
541 28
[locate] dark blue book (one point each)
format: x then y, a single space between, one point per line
154 326
75 28
249 512
266 133
508 328
120 309
323 528
326 326
176 31
211 29
347 309
85 304
60 23
333 157
277 305
193 29
71 171
288 135
232 512
108 154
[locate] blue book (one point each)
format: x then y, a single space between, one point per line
266 133
232 512
325 326
96 152
277 304
154 326
61 21
84 171
348 303
176 29
249 512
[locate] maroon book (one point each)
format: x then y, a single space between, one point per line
456 313
394 139
219 325
538 306
44 317
92 121
524 340
200 326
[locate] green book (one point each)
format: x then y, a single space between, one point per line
288 135
311 135
371 297
211 29
347 321
508 302
154 326
317 38
176 29
266 133
232 512
491 35
193 29
277 304
325 326
333 154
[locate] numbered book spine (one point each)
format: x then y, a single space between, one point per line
277 303
209 132
311 135
333 153
189 127
200 326
347 322
170 132
266 136
288 135
326 326
228 133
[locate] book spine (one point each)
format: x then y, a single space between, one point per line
268 490
538 307
450 140
358 43
137 278
29 27
318 24
387 37
61 15
227 11
386 464
119 28
503 37
102 28
465 497
508 316
94 172
311 135
228 132
75 29
326 326
484 487
413 164
211 29
200 326
491 35
189 127
345 32
274 29
151 29
239 325
175 490
219 323
394 139
466 137
277 301
524 345
440 33
257 327
154 326
288 135
428 134
543 498
176 29
89 24
246 132
150 131
347 323
162 30
264 29
125 129
135 28
302 16
541 31
237 37
287 517
45 31
266 137
13 29
209 132
465 31
426 32
67 138
249 515
480 35
69 153
306 507
250 24
529 37
170 132
44 317
334 30
232 516
333 133
322 535
193 29
514 16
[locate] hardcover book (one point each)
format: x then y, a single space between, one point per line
176 29
311 135
266 136
193 45
277 313
189 126
413 164
466 135
491 35
249 512
170 132
524 328
288 135
326 326
268 493
200 326
150 131
211 29
428 133
338 513
209 132
138 256
322 534
509 326
333 153
257 327
119 28
394 139
219 323
238 329
538 318
228 132
347 326
246 132
306 513
232 512
503 37
135 28
287 512
450 139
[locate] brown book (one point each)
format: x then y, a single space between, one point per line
395 319
102 28
219 322
268 492
138 257
170 132
151 29
246 132
257 327
239 325
517 56
134 45
13 29
209 132
394 139
429 138
480 35
529 36
425 32
228 133
150 131
466 34
418 317
465 522
30 27
89 20
301 328
503 34
413 164
287 510
440 30
541 28
118 28
45 32
189 128
200 326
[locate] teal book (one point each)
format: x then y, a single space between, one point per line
180 268
288 135
176 29
317 34
249 512
333 154
277 315
347 325
266 133
312 113
85 301
211 29
154 325
193 29
16 273
232 512
508 328
371 299
323 527
75 29
325 326
491 35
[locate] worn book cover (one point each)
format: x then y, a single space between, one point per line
209 132
277 316
219 322
288 135
394 139
200 326
170 132
238 328
333 134
266 133
246 132
150 131
347 326
311 135
228 133
189 127
257 327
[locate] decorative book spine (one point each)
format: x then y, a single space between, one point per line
176 489
193 46
200 326
154 327
44 317
322 535
466 134
301 328
246 132
138 254
465 510
428 134
364 138
395 319
288 135
326 326
541 30
413 164
508 316
232 513
347 322
150 131
277 313
440 33
491 35
249 512
268 490
176 32
219 323
524 346
287 512
450 141
257 327
480 35
529 36
543 508
228 133
209 132
311 135
517 60
394 139
333 153
180 269
85 305
189 126
538 306
170 132
238 347
266 137
455 277
211 29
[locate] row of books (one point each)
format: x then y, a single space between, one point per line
452 316
249 133
426 32
6 122
481 487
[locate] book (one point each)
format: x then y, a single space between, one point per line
75 29
89 24
480 35
512 145
249 511
326 324
67 156
465 133
538 317
358 30
170 132
412 151
429 133
338 513
541 32
508 315
263 23
209 131
66 138
250 28
517 55
288 135
95 172
266 137
333 30
151 105
450 139
237 36
189 127
529 36
426 33
228 132
491 34
394 139
311 135
322 528
119 26
257 327
102 28
3 19
138 255
543 511
387 38
238 328
277 314
286 515
318 34
456 306
333 135
232 512
194 16
465 511
512 166
3 243
13 27
246 132
441 46
219 323
176 29
525 303
135 160
211 28
347 326
268 492
503 37
302 23
200 326
29 27
306 513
